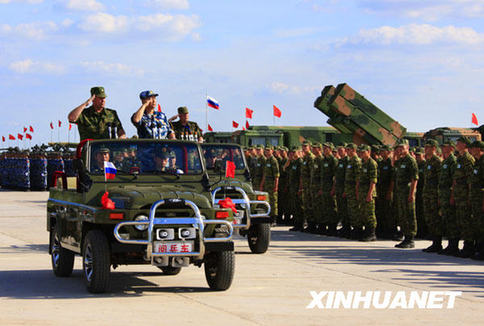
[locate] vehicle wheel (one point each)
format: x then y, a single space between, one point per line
259 236
96 261
219 269
62 259
170 270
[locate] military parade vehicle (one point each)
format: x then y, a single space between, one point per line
252 209
156 210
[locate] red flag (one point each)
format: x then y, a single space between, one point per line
28 136
277 112
248 113
70 126
159 108
229 169
3 138
25 129
246 124
60 123
19 136
235 124
31 129
106 202
210 127
11 137
474 119
51 125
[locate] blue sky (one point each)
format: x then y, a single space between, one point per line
420 61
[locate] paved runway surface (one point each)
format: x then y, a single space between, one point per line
269 289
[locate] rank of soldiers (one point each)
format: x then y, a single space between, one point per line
364 193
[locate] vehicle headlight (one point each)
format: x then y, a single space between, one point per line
141 218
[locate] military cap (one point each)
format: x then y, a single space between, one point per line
294 148
477 144
260 146
306 143
269 147
182 110
464 140
432 142
317 145
401 142
103 150
419 150
162 154
385 148
449 142
351 146
146 94
284 148
364 147
328 144
98 91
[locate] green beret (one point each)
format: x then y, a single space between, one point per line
351 146
182 110
464 140
477 144
449 142
401 142
432 142
328 144
98 91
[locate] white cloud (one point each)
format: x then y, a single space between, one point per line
418 34
27 1
283 88
170 27
35 31
67 22
111 68
84 5
30 66
170 4
104 23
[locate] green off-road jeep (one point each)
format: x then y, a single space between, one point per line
252 217
162 212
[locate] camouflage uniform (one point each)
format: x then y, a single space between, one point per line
258 171
430 196
329 202
351 178
295 202
368 174
94 125
283 191
419 203
449 221
316 188
385 215
191 131
406 170
307 197
341 203
476 195
462 177
270 173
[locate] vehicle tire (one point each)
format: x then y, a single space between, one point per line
62 259
170 270
96 263
259 236
219 269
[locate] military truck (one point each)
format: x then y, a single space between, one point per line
252 217
155 211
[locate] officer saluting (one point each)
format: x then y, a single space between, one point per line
184 129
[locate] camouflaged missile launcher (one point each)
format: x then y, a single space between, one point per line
380 117
358 135
322 102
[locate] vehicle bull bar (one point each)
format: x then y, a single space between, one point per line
244 201
198 222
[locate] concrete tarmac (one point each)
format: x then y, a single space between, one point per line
269 289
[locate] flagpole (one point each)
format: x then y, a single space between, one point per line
58 134
206 110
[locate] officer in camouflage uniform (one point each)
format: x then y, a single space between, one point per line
406 179
259 168
460 195
282 199
366 195
351 188
385 217
449 221
270 180
306 177
477 198
96 121
328 170
184 129
294 179
339 189
419 212
316 188
430 195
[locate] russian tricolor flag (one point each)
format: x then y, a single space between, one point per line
212 103
109 170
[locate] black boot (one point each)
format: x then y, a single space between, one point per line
436 245
406 243
332 232
355 233
452 248
397 236
479 254
369 235
297 227
468 250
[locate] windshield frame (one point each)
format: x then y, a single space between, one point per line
223 145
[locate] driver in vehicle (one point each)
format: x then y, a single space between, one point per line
172 165
102 155
161 161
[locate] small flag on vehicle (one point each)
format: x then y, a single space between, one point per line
109 170
229 169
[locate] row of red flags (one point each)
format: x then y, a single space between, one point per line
248 114
59 123
20 136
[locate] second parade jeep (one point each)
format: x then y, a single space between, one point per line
138 202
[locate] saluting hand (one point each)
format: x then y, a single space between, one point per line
90 100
